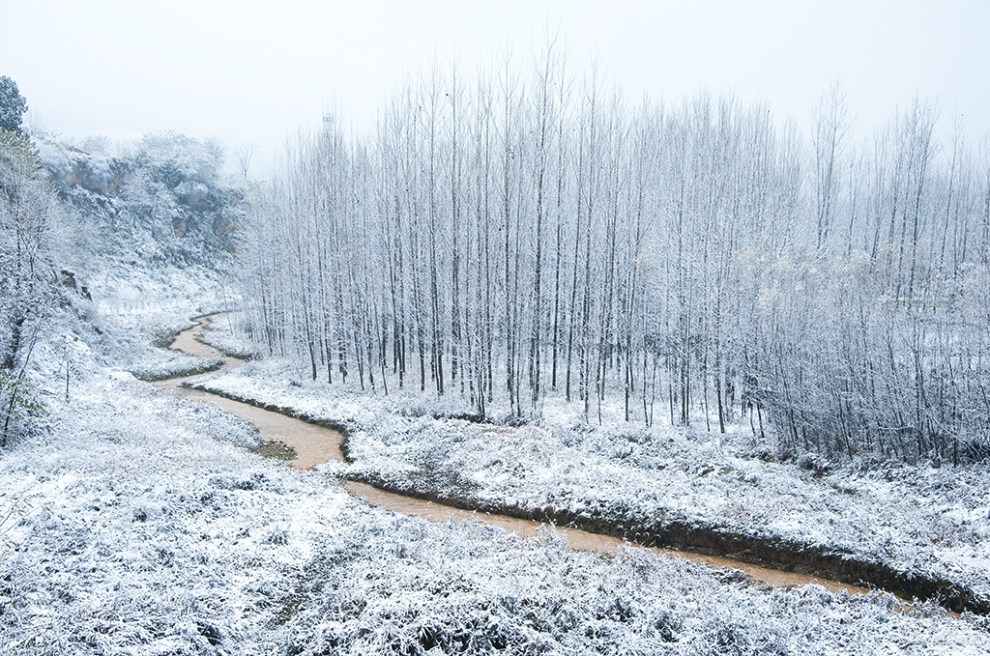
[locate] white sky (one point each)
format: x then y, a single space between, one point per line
253 71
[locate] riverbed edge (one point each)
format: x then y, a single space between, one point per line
697 537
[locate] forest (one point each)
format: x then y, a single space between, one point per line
528 233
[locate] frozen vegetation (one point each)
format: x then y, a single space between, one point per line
136 524
919 520
532 232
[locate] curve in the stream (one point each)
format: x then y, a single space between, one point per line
315 444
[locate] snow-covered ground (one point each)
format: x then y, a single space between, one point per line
919 520
136 313
137 525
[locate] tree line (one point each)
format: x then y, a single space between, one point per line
531 233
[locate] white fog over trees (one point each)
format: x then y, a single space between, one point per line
531 232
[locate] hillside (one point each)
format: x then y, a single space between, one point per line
163 202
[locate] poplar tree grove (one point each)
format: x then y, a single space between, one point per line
531 233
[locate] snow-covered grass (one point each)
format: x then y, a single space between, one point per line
137 525
137 315
226 336
918 520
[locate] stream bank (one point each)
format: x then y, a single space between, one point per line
775 562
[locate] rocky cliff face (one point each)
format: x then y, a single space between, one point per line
166 202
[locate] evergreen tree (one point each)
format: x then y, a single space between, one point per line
12 105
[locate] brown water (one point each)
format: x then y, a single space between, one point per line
315 445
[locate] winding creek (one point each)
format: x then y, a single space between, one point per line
314 445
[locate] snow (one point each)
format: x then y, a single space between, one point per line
135 522
920 520
137 525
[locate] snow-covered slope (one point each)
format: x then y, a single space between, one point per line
163 202
154 233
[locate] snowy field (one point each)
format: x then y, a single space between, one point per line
915 519
138 523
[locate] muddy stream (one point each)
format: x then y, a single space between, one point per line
314 445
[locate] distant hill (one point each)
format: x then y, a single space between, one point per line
163 203
155 224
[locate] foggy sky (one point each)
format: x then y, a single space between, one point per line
258 71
